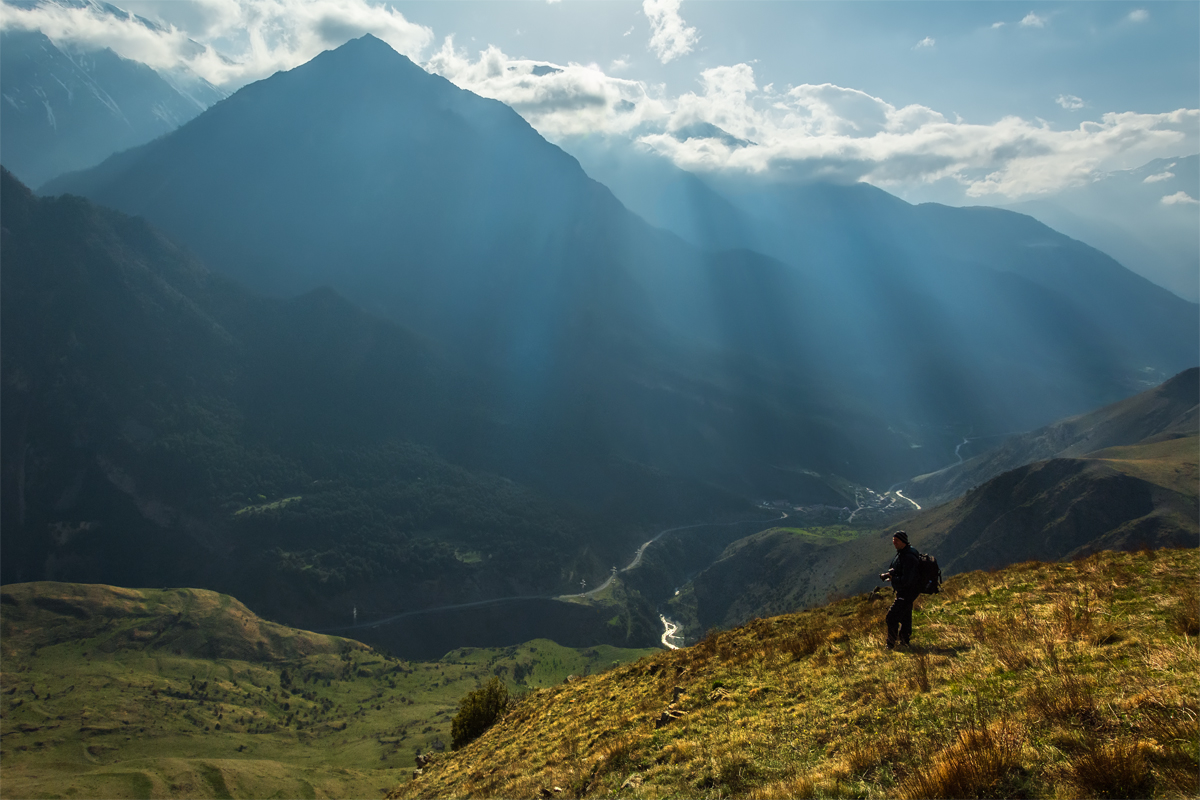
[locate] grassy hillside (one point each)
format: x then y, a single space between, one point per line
1041 680
110 692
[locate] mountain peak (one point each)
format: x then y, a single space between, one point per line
367 52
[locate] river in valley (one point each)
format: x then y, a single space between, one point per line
429 634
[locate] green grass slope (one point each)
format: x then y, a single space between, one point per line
110 692
1041 680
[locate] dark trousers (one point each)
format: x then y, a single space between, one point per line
899 620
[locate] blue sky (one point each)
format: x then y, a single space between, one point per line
1094 51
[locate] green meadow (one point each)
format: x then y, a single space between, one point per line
112 692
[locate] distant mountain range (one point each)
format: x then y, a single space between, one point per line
1146 218
470 372
868 334
66 109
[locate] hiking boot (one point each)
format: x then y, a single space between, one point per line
891 644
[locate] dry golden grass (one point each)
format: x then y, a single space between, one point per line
1042 680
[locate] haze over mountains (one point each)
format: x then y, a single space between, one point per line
66 109
1165 412
165 426
1141 217
365 354
464 370
448 213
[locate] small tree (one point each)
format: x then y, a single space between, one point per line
477 712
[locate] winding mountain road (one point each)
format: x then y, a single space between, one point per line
637 559
637 556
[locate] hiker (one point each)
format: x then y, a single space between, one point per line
903 576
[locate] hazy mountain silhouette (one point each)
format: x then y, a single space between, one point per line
976 305
66 110
887 328
1137 217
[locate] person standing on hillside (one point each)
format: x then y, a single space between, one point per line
903 576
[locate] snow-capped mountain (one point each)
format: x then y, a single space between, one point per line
66 107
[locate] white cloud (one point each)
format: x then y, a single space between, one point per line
228 42
733 124
559 100
1032 20
1070 102
1161 176
669 35
997 25
928 41
1180 198
1138 15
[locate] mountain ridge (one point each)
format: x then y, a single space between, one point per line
71 110
472 230
1166 411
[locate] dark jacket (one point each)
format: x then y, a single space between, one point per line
904 572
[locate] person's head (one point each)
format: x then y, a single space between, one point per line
900 540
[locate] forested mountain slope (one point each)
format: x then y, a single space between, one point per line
162 425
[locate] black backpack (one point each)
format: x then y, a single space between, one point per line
929 575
